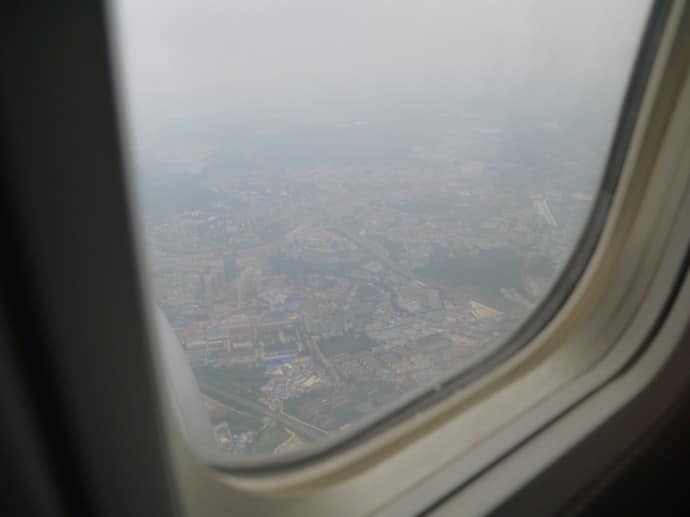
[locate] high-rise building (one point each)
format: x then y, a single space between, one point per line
229 268
246 285
202 284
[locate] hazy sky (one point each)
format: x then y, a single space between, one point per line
204 56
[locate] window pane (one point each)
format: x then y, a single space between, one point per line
345 202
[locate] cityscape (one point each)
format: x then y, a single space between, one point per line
309 296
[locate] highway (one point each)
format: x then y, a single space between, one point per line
368 246
300 427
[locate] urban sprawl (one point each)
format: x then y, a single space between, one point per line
308 300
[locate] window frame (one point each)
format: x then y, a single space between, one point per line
540 317
64 198
649 126
411 404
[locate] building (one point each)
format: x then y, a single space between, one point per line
229 268
217 336
196 352
279 350
483 313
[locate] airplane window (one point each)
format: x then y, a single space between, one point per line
343 203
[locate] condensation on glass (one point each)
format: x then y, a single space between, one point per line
343 202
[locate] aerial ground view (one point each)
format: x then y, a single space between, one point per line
309 296
344 204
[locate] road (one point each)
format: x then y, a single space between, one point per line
313 347
286 443
299 426
366 245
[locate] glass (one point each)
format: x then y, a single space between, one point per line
343 202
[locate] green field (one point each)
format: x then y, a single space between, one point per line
240 422
285 265
269 440
392 247
490 269
367 293
350 343
345 414
243 380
